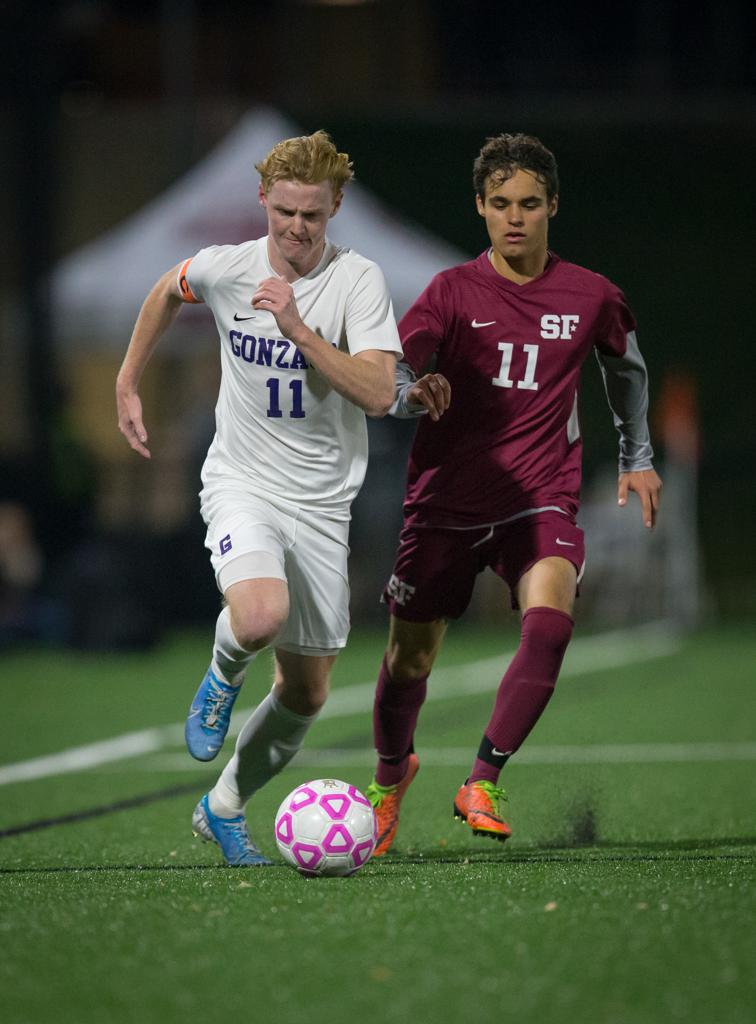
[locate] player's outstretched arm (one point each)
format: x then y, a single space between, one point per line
366 379
647 485
158 312
626 384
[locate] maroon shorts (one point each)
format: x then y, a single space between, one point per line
435 567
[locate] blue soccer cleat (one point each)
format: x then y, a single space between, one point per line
230 834
209 716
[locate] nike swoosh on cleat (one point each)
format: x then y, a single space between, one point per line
493 817
565 543
239 318
488 323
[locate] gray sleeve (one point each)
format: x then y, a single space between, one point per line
626 384
404 378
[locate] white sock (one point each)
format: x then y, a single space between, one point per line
230 661
269 739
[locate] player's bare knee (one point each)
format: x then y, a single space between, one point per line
302 699
257 627
412 648
315 698
408 665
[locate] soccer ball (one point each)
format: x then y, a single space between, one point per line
326 827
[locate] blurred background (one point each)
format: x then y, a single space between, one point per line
129 135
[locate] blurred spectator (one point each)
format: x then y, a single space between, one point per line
21 571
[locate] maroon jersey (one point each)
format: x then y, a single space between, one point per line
510 441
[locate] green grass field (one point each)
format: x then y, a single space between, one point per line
625 896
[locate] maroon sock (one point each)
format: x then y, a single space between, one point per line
395 710
525 690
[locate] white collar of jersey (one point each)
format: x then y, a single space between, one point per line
330 251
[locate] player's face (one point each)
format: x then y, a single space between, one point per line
517 213
298 215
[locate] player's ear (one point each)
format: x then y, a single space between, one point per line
553 206
261 195
337 202
479 205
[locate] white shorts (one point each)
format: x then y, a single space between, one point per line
252 538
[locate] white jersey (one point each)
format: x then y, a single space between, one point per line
281 429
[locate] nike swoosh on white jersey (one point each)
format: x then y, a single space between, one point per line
565 543
474 323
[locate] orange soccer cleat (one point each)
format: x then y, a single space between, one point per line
386 801
481 806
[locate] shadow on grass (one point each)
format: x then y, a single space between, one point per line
723 848
127 804
73 869
726 848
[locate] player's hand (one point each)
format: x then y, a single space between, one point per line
433 392
647 485
276 295
130 421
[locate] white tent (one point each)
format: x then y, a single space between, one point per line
98 289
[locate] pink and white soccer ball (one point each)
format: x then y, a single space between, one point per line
326 827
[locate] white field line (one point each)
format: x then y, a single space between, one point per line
76 759
600 653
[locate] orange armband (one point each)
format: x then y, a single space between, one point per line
186 292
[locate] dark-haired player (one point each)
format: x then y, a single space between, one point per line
494 473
